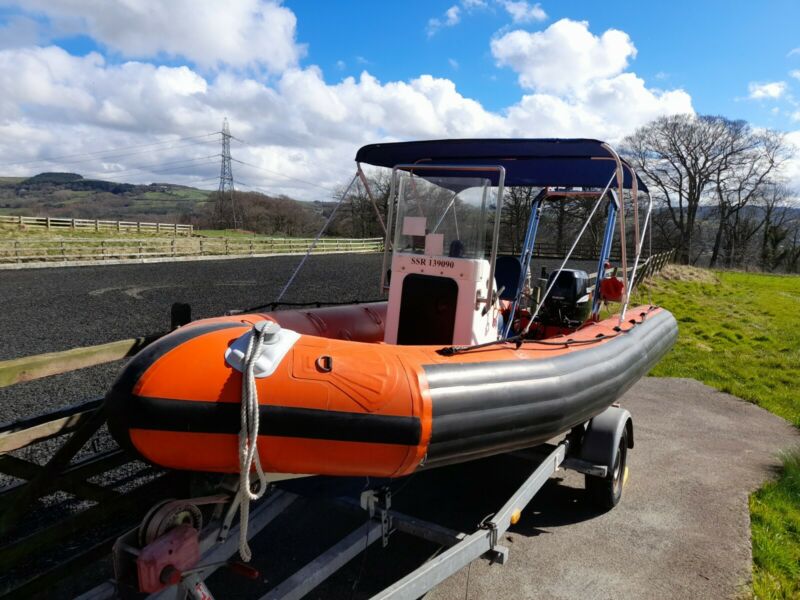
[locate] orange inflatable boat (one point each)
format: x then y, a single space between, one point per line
462 361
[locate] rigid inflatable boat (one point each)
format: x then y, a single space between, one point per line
467 357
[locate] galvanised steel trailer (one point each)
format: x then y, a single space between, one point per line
598 449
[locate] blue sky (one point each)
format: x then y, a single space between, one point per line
306 82
711 48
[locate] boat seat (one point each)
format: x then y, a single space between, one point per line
507 270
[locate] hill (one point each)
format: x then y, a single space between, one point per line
70 195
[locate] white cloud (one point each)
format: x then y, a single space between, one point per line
452 16
772 90
295 123
453 63
794 52
795 73
566 56
524 12
792 167
341 65
19 31
238 33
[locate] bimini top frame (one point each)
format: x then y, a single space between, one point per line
544 162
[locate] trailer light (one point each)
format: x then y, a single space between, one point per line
515 516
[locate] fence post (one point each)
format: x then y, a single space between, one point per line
63 253
48 223
103 249
251 246
20 221
72 224
119 228
16 250
138 226
226 246
201 246
158 227
173 246
140 249
97 224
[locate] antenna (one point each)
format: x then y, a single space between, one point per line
225 209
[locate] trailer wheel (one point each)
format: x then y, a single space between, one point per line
606 492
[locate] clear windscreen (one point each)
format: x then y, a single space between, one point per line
443 216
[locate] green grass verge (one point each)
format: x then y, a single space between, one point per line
12 232
775 523
740 333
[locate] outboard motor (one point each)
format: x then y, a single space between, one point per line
568 303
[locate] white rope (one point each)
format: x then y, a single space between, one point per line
248 439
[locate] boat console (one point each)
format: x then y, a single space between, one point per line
439 285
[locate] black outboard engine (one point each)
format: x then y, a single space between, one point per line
568 303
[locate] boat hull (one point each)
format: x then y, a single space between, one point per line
381 410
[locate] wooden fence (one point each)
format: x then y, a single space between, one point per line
53 223
82 250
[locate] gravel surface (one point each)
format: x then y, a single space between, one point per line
47 310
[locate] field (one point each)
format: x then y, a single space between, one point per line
740 333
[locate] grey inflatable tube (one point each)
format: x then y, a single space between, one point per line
480 409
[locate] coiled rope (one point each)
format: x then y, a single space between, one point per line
248 437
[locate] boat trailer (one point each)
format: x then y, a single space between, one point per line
171 554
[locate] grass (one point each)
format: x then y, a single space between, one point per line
740 333
12 232
775 524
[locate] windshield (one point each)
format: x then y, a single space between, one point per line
443 216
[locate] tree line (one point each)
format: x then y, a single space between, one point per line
718 187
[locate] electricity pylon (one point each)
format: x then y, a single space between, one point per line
225 212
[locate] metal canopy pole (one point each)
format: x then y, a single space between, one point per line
316 239
605 251
527 253
622 240
640 244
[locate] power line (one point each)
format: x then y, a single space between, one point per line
279 174
160 165
116 156
110 150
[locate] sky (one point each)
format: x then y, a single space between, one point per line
134 90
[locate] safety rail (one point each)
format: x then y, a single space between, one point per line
60 223
112 507
23 251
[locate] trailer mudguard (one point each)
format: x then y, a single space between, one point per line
601 440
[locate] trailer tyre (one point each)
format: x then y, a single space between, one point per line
606 492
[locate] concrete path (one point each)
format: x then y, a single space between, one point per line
682 529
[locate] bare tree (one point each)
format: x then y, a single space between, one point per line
684 157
